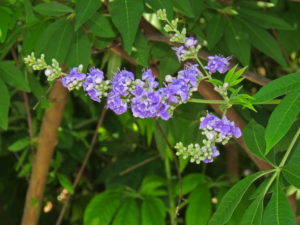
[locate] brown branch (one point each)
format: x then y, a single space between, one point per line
29 120
83 165
232 160
47 141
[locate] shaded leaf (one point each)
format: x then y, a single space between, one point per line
52 9
65 182
128 214
185 6
215 28
19 145
291 173
162 4
153 211
101 26
253 214
5 102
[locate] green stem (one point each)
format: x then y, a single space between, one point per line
270 102
286 155
202 67
172 210
206 101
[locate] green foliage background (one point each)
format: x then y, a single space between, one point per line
263 35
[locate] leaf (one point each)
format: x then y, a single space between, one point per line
126 15
128 214
65 182
52 9
162 4
253 214
186 7
237 41
102 208
264 42
215 28
253 136
150 184
80 51
282 119
101 26
153 211
278 87
199 203
5 102
13 76
232 198
56 40
85 9
264 19
19 145
142 54
278 211
190 182
291 173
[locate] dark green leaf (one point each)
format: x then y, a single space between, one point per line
291 173
190 182
142 54
253 214
263 41
282 119
52 9
13 76
85 9
237 41
5 102
185 6
150 184
153 211
215 28
199 203
231 199
65 182
102 208
278 211
126 16
101 26
19 145
128 214
162 4
278 87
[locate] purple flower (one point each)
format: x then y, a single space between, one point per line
217 63
73 79
121 82
190 42
116 104
148 77
92 84
179 52
190 74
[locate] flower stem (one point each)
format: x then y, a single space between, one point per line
202 67
206 101
270 102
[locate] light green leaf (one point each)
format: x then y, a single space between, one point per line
102 208
215 28
19 145
278 87
5 102
153 211
278 211
199 203
232 198
253 136
126 16
291 172
85 9
253 214
101 26
282 118
264 42
128 214
190 182
162 4
52 9
150 184
238 41
65 182
13 76
80 51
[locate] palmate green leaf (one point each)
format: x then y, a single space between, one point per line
153 211
129 213
278 211
52 9
237 41
55 41
126 16
291 173
232 198
253 215
65 182
162 4
80 51
5 103
282 119
13 76
199 203
265 20
102 208
85 9
253 136
215 28
278 87
264 42
101 26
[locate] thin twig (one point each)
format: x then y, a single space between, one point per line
29 120
83 165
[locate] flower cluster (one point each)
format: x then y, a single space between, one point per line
217 63
215 130
188 50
